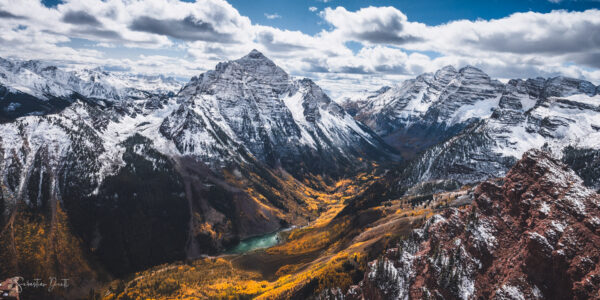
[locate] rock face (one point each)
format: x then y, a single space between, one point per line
526 118
586 163
469 127
533 235
421 112
279 120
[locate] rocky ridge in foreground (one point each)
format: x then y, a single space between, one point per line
533 235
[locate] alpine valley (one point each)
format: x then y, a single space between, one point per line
451 185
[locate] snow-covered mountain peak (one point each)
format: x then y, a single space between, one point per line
38 87
253 64
255 54
431 107
44 80
445 73
565 86
446 69
36 66
449 75
314 91
253 71
552 114
256 65
276 117
314 100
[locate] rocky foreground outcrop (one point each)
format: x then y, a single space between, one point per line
533 235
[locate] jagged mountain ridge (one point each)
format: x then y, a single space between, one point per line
523 120
431 108
477 128
531 235
421 112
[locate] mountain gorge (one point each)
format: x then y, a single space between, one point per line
135 186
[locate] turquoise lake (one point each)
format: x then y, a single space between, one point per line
254 243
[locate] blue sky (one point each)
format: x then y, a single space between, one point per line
295 15
346 45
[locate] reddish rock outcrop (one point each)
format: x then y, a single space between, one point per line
533 235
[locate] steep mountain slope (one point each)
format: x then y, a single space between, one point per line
421 112
354 102
532 235
531 114
280 120
586 163
149 177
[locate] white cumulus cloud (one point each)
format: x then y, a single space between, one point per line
370 46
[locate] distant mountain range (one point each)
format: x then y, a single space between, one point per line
36 87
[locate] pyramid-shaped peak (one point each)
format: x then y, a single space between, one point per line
253 67
257 63
255 58
255 54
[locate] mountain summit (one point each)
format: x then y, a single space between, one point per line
279 119
255 54
462 126
421 112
